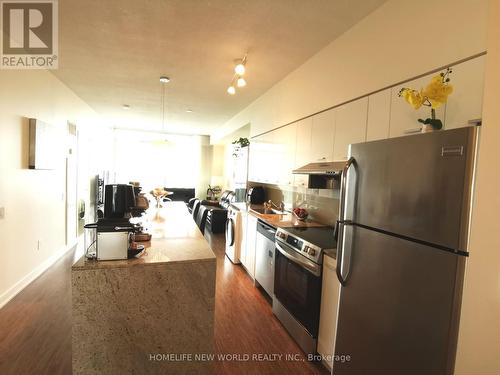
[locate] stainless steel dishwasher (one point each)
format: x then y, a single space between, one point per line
264 257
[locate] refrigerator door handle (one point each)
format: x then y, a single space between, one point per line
342 221
340 252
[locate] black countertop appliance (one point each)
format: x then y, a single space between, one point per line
119 200
256 195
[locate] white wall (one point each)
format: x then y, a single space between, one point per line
398 41
34 200
222 157
479 339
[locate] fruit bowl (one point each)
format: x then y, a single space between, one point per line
300 213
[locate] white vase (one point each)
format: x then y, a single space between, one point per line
426 128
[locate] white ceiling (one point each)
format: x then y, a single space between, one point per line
112 52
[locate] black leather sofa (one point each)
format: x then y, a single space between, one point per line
181 194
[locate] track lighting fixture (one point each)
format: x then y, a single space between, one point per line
238 80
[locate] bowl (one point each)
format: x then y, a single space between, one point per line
301 217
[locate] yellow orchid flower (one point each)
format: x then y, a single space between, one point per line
413 97
437 91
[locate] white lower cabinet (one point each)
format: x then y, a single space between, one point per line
328 311
248 260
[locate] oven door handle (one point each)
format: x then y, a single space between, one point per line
292 255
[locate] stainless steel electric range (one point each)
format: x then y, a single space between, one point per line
297 280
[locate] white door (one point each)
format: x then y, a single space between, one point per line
71 185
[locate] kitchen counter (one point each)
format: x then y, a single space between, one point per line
281 221
176 238
127 311
285 220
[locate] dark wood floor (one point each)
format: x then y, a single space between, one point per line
35 327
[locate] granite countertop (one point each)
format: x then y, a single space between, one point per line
276 220
176 238
281 221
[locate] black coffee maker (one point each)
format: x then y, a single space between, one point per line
119 200
256 195
113 231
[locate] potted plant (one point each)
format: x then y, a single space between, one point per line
239 144
434 95
242 142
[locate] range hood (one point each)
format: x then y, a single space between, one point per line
322 175
322 168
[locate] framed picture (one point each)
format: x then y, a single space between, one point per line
44 147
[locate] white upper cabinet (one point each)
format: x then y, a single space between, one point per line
261 163
379 114
326 136
303 149
284 145
404 118
466 101
350 126
253 161
323 133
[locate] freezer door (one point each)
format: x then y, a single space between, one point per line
397 312
417 186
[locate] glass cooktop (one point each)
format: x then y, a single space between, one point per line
322 237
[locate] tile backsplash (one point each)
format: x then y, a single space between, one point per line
322 204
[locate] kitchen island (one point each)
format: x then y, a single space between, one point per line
148 315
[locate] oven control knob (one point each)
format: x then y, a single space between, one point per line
306 249
311 252
281 235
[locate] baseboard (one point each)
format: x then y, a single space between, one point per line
30 277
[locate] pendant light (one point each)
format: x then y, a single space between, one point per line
163 80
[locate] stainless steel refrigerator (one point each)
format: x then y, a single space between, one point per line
402 246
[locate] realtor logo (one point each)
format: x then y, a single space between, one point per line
29 37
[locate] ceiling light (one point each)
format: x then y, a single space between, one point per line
164 79
241 82
239 69
126 107
189 110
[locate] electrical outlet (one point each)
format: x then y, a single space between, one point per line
2 213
